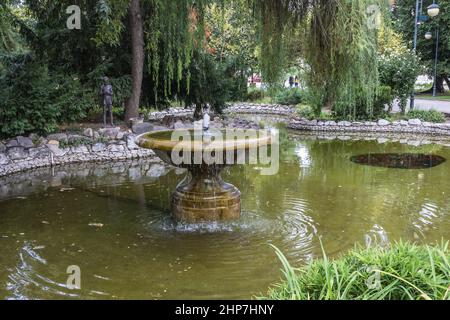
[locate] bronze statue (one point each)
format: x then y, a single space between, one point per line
107 98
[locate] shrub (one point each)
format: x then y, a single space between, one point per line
254 94
427 115
399 70
365 109
305 111
33 100
291 96
406 272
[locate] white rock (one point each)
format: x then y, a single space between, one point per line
414 122
383 122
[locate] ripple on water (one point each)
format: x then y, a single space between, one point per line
25 278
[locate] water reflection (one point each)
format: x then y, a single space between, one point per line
113 220
399 160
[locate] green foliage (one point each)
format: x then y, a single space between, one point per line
427 116
305 111
254 94
33 100
291 96
211 83
399 70
404 24
365 109
406 272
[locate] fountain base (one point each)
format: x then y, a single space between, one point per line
206 198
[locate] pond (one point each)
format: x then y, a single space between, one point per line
113 221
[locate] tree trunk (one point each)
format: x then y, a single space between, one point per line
440 84
137 63
447 80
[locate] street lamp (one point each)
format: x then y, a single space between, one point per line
433 10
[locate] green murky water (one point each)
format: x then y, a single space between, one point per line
112 220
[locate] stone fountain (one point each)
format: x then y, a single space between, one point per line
203 196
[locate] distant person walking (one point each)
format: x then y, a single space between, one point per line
291 81
297 82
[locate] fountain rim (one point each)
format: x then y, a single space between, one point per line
147 142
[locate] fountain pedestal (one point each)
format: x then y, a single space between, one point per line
204 196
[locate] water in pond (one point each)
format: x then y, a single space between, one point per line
112 220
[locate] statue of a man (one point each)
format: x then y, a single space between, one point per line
107 97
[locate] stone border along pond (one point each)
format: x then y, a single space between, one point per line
113 144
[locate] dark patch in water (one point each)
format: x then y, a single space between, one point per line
399 160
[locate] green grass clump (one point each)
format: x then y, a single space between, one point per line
427 115
405 272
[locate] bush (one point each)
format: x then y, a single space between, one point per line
305 111
406 272
365 110
254 94
289 97
35 101
427 115
399 70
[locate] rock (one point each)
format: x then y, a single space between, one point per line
39 153
54 148
17 153
79 149
98 147
96 135
120 135
414 122
370 124
313 123
3 159
403 122
88 133
58 137
179 125
25 142
53 142
141 128
131 143
12 143
110 133
2 147
156 170
344 124
116 148
331 123
383 122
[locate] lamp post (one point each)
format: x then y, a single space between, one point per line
416 30
433 11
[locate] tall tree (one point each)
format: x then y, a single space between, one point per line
137 62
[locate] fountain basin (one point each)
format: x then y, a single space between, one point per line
203 195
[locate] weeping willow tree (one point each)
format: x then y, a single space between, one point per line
339 47
338 44
166 32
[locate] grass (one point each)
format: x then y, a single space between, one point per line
403 271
